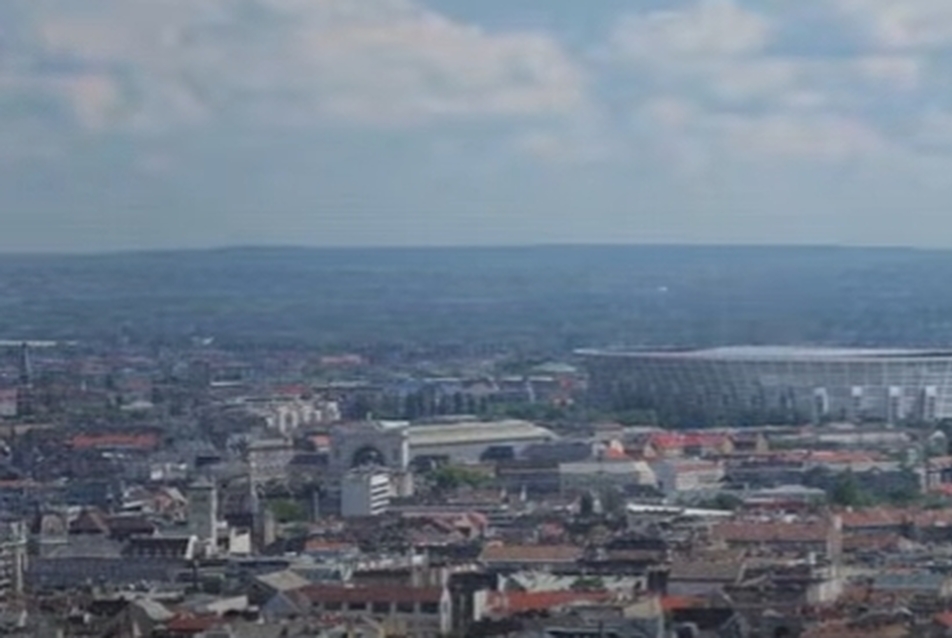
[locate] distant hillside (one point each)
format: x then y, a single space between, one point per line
537 298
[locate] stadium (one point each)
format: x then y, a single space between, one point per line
772 385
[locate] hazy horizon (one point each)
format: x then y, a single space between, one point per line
553 298
137 125
237 248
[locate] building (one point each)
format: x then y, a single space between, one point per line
9 400
468 440
819 538
599 475
377 443
678 444
411 611
394 444
287 414
699 577
268 459
13 557
679 476
775 383
203 511
497 557
365 492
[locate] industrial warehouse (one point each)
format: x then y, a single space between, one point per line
775 384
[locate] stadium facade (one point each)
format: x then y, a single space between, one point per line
759 385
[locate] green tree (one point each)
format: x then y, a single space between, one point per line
613 501
288 511
847 492
723 501
588 583
453 477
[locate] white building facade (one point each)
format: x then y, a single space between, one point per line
365 493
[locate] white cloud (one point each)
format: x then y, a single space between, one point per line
427 66
578 145
902 24
821 137
717 47
934 130
94 97
902 72
681 129
731 86
731 54
709 28
173 62
669 112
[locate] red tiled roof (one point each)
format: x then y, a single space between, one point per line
91 520
450 520
519 602
321 545
18 483
933 518
670 603
674 440
188 624
145 441
614 454
885 517
871 542
934 462
944 619
551 530
530 553
772 532
843 456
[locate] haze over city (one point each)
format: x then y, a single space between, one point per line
140 124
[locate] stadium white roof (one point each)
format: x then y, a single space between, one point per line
776 352
482 432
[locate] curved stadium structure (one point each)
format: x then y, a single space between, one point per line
758 385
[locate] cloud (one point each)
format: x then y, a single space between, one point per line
339 116
903 72
147 65
708 28
715 47
934 130
729 78
901 24
822 137
694 137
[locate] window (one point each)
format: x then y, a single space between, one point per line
429 608
380 608
404 608
332 606
357 606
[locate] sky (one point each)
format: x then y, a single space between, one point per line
144 124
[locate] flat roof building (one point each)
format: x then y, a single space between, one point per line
394 444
